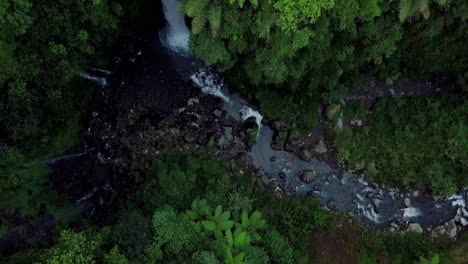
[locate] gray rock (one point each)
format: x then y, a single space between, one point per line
416 193
321 147
189 137
226 138
369 195
280 125
282 175
457 218
464 222
343 180
453 232
377 202
308 176
415 227
218 113
407 202
305 155
273 158
193 101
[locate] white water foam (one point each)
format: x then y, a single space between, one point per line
177 34
411 212
101 81
457 200
106 72
247 112
370 213
207 83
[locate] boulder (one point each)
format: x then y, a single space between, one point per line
193 101
189 137
415 227
308 176
280 125
226 138
377 202
453 232
279 140
218 113
305 155
321 147
407 202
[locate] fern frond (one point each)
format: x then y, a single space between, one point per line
196 7
405 9
214 18
198 23
181 5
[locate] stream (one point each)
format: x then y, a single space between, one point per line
346 192
372 205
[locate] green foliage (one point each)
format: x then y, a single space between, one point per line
413 142
42 50
298 218
132 234
72 248
114 257
399 248
180 179
290 54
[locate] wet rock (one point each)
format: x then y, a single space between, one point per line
279 140
272 184
226 138
453 232
273 159
321 147
282 175
463 221
281 125
308 176
203 139
305 155
189 137
370 195
377 202
317 187
415 227
343 180
407 202
218 113
193 101
331 205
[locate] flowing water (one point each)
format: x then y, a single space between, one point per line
176 34
346 192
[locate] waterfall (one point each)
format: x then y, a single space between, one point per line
176 34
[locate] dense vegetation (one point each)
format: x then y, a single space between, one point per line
218 217
411 142
291 55
287 56
294 52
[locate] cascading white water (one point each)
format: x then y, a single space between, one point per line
176 34
101 81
